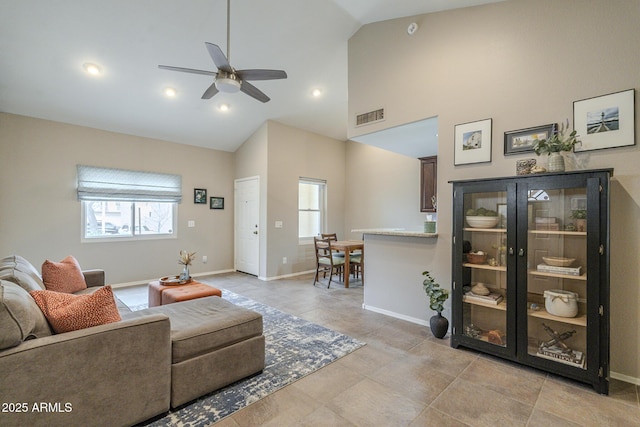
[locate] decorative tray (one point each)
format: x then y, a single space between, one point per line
173 281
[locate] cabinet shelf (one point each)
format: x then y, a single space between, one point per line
485 266
582 277
502 305
580 320
559 233
486 230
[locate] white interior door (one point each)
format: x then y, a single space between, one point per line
247 215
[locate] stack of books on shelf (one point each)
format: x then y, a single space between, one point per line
492 298
571 271
547 223
573 357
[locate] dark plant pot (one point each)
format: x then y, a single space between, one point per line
439 325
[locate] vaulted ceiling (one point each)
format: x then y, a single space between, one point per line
44 44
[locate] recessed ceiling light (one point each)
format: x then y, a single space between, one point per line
170 92
92 69
223 107
316 93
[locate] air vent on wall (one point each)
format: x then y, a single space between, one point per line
370 117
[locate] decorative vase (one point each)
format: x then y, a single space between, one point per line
556 163
581 224
439 325
184 276
429 226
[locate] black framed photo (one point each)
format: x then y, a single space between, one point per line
472 142
606 121
199 196
216 203
521 141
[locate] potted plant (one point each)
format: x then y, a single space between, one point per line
437 296
555 145
580 215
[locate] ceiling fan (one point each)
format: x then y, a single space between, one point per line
228 79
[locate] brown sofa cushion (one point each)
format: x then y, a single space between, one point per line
64 276
67 312
20 317
16 269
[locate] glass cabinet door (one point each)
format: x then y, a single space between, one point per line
484 272
556 273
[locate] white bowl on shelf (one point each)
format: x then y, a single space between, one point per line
557 261
482 221
561 303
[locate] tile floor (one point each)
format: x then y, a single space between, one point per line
406 377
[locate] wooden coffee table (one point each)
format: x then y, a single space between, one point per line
160 294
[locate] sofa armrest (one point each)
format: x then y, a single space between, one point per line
94 277
115 374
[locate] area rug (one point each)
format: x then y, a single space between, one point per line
294 348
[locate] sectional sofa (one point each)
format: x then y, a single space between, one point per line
119 373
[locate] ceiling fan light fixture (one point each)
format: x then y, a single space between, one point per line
227 85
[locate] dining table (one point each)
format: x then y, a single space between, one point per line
348 246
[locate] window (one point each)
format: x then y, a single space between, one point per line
119 203
311 208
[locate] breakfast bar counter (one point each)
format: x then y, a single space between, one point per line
395 259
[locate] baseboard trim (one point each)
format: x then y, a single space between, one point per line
625 378
286 276
144 282
396 315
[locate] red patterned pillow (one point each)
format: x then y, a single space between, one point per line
64 276
67 312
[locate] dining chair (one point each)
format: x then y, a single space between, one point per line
355 257
326 260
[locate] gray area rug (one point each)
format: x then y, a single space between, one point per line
294 348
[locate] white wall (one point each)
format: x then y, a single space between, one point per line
40 217
521 63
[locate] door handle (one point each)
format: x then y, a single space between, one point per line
521 252
510 251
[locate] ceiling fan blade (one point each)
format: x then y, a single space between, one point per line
253 91
211 90
187 70
261 74
218 57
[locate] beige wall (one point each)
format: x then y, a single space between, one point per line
287 154
522 63
40 218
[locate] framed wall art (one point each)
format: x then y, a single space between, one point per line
521 141
199 196
216 203
606 121
472 142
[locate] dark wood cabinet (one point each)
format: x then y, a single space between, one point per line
522 241
428 183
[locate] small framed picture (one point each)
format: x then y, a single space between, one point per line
521 141
472 142
606 121
199 196
216 203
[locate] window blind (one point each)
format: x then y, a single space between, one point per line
95 183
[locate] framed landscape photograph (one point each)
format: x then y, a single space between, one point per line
521 141
472 142
199 196
216 203
606 121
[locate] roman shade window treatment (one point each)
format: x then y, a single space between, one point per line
96 183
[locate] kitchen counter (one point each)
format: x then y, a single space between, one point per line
394 232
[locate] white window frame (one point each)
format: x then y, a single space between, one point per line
322 185
110 185
133 235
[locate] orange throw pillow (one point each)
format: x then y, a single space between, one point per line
64 276
67 312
